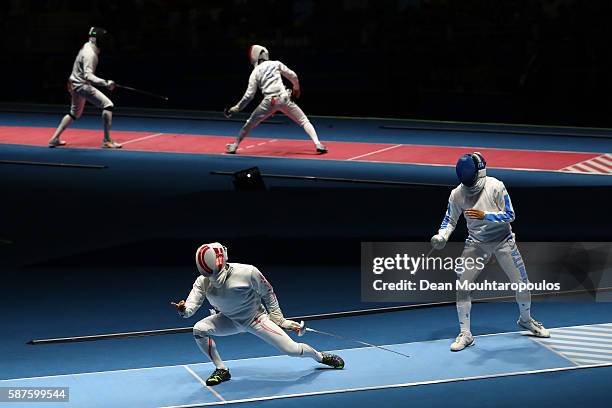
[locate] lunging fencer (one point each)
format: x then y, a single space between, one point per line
486 205
267 76
81 86
243 301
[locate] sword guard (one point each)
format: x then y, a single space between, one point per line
303 329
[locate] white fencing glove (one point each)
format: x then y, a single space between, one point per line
438 241
228 112
289 324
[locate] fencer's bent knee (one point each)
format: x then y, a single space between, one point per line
197 334
75 113
201 330
109 107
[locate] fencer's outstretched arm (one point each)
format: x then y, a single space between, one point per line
90 62
506 212
290 75
449 223
270 301
195 299
249 94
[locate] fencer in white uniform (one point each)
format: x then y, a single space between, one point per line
267 76
81 86
488 211
244 301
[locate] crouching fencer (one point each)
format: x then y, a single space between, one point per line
267 76
488 211
244 301
81 86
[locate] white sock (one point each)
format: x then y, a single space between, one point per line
107 119
244 132
523 299
464 308
310 130
308 351
208 347
66 121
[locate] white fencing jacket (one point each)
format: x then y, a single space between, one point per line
493 200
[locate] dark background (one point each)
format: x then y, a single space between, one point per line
536 61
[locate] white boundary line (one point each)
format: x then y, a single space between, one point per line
404 385
470 148
389 162
275 356
201 380
241 149
374 152
141 138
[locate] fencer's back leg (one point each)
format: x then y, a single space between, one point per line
263 111
295 113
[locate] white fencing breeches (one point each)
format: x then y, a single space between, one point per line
272 104
78 97
262 327
87 93
511 262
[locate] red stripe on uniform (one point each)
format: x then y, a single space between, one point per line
266 328
265 281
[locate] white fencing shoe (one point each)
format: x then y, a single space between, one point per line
463 340
534 327
231 148
321 148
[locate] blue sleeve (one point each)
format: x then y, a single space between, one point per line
449 222
507 215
